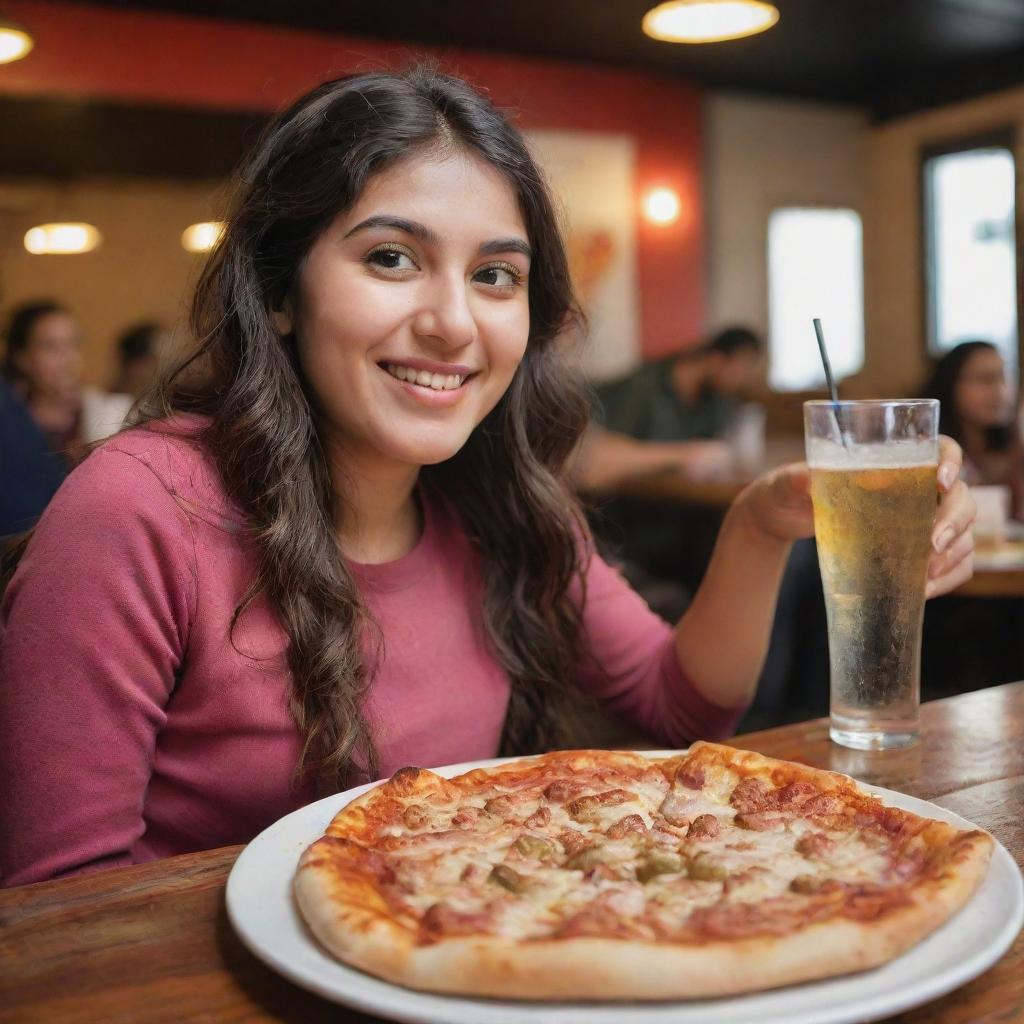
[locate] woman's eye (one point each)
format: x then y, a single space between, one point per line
390 258
501 275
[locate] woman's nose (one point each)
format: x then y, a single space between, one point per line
446 314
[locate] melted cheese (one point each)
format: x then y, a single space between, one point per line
451 865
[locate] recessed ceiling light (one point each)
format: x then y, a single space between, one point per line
15 42
61 239
202 237
708 21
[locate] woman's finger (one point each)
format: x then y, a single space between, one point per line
956 577
939 565
951 460
955 516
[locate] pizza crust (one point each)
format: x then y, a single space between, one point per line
337 893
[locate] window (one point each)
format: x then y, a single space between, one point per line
815 269
970 250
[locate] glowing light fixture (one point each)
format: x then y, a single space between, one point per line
15 42
61 239
708 21
202 237
662 206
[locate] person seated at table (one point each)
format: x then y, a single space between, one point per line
140 350
30 471
973 642
977 410
351 546
43 364
670 413
674 411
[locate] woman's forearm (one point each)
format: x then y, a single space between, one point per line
722 639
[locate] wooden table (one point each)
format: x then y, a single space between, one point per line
676 485
997 573
152 943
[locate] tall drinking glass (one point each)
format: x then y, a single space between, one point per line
873 485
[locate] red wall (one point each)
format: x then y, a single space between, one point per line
129 56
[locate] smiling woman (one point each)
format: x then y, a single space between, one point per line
407 279
340 539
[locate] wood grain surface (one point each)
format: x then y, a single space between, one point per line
152 944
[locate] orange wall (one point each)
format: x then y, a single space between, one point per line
177 60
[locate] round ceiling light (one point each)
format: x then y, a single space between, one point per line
61 239
15 42
708 21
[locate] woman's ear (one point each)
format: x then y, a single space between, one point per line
282 319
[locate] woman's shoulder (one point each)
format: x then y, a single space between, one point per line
172 452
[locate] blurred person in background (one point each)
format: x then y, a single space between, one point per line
680 408
43 365
973 642
671 413
977 410
140 351
30 471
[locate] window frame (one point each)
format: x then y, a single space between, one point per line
828 206
1004 137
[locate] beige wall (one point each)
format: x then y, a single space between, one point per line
761 154
140 272
894 314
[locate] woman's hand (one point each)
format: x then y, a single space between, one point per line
952 561
779 505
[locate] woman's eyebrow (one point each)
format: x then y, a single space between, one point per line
506 245
421 231
386 220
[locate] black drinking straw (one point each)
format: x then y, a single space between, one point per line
831 381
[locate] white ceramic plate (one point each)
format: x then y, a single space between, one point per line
260 906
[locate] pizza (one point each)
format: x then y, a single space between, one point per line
610 875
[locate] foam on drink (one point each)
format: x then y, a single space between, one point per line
825 454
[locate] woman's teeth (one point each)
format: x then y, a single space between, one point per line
425 379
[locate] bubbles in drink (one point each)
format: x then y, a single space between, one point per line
873 526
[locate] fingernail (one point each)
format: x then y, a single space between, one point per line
946 476
941 542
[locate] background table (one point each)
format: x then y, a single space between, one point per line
153 944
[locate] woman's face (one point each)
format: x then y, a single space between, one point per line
51 362
411 312
982 393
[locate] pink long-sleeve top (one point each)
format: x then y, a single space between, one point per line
134 724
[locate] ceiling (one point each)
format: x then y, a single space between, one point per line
890 56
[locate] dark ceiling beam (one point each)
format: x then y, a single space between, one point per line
72 140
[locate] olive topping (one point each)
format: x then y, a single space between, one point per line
506 877
658 863
586 859
534 846
704 869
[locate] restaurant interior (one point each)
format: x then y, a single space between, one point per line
853 161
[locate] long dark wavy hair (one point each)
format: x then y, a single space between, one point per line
506 484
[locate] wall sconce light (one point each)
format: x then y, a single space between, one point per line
662 206
15 41
61 239
202 237
708 21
